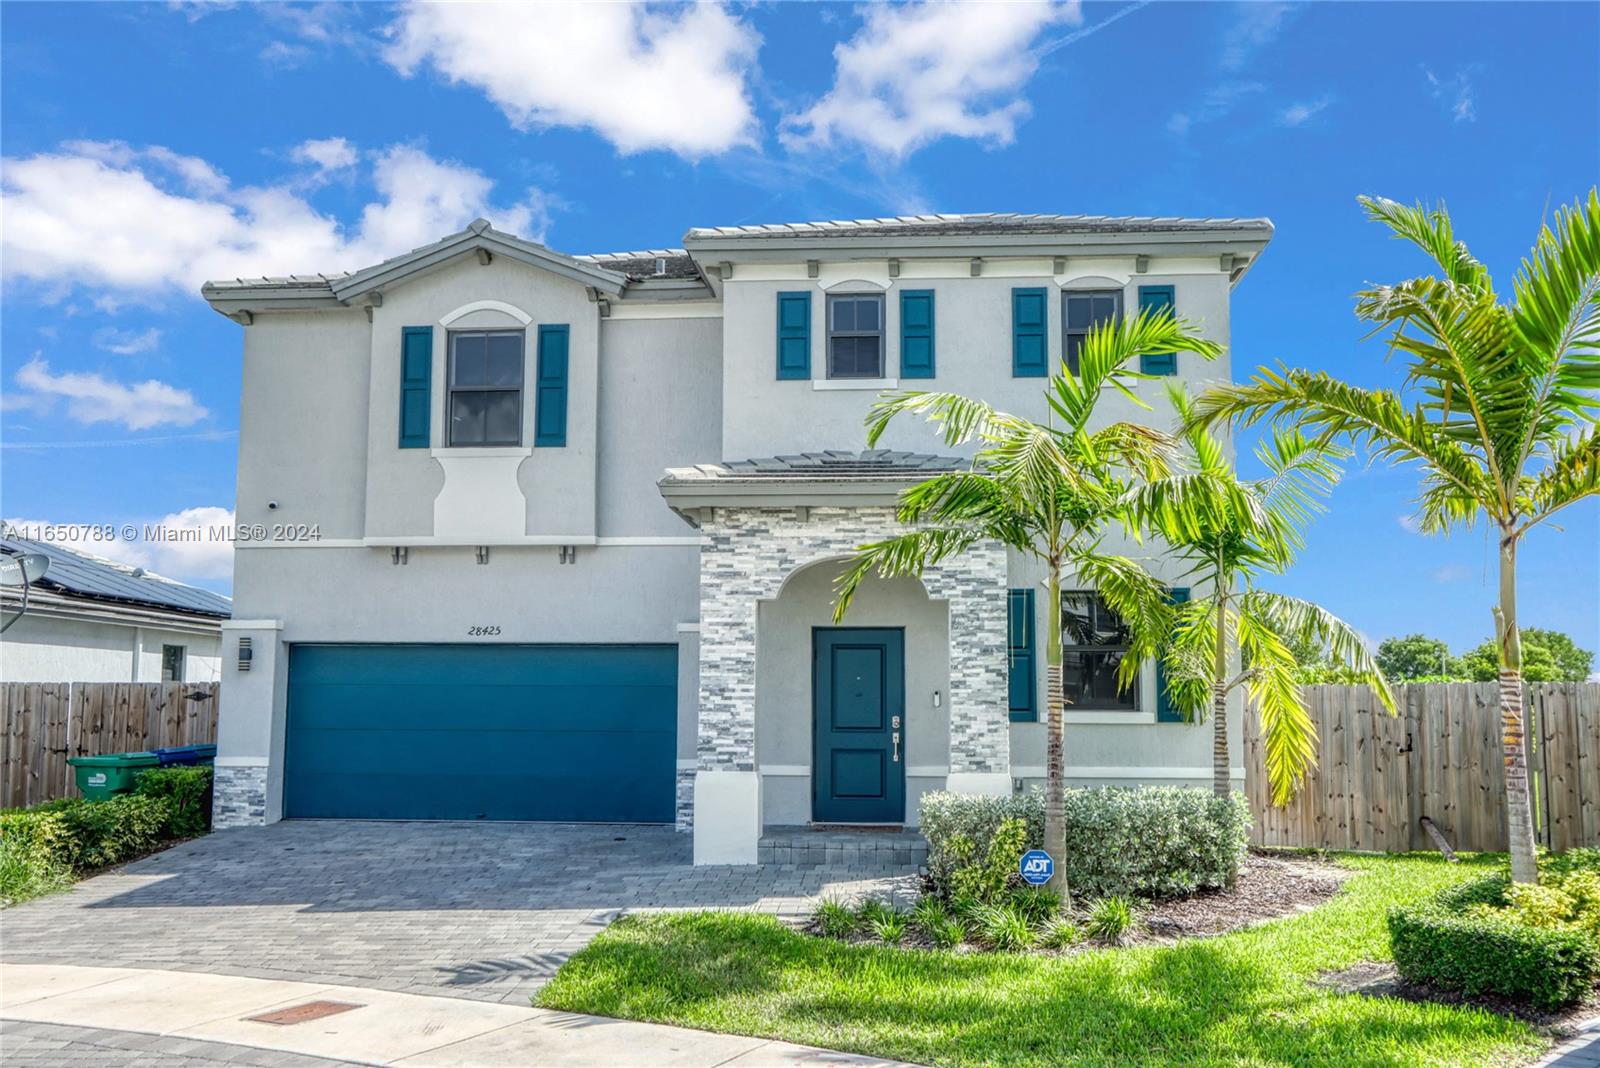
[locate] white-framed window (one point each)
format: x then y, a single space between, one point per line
1081 311
855 335
484 387
1094 640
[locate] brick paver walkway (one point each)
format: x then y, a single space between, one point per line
485 911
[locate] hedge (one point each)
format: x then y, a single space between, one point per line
1150 841
1446 942
80 835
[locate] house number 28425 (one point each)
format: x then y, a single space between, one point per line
483 632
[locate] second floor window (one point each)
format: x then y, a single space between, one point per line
485 387
1094 639
1084 310
855 335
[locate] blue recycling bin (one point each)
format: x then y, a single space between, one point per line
183 755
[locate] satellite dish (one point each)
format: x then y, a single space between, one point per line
23 568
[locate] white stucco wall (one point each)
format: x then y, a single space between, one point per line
41 648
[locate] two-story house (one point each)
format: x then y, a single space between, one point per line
546 537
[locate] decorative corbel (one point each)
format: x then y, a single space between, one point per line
1141 264
1225 261
976 266
894 268
485 257
1060 265
813 268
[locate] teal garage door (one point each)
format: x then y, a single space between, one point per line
452 732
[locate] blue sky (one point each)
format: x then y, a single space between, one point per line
149 147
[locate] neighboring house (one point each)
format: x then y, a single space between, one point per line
553 537
90 619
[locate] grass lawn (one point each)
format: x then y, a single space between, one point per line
1240 999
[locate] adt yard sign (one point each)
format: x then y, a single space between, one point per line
1036 867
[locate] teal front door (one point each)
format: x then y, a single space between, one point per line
858 687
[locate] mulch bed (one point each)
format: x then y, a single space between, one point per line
1380 980
1270 887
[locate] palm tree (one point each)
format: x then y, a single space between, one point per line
1501 420
1045 490
1231 531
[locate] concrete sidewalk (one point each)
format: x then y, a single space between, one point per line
386 1028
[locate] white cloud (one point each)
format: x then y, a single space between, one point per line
326 154
146 221
193 544
1300 113
1257 25
127 342
1217 103
1409 523
1452 573
93 398
1455 93
915 73
640 76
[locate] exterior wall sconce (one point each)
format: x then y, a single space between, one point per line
399 555
569 554
483 554
246 654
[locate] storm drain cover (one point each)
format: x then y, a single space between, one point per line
311 1010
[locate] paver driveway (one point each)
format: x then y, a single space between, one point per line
486 911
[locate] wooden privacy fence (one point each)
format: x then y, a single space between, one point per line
1378 775
46 722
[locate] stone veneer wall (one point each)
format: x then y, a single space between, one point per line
745 555
239 796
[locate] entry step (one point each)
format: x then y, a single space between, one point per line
866 849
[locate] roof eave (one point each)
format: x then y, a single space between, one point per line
1150 242
470 240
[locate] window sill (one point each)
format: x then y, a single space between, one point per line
855 383
1109 716
487 452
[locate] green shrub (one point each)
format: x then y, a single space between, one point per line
79 835
1004 927
1059 932
928 913
187 790
1110 919
947 933
25 874
988 880
890 928
872 910
1150 841
1465 938
1036 903
834 919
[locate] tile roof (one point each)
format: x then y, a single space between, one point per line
832 464
647 263
996 223
82 574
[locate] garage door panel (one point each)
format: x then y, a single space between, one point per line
482 732
459 706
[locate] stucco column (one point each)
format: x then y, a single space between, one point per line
974 584
727 789
248 784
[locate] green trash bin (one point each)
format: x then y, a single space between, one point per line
102 777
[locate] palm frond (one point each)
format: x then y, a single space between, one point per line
1430 230
959 419
909 553
1288 736
1301 623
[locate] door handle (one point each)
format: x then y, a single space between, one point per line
896 737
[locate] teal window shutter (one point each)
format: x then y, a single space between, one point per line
794 335
1030 346
1166 711
550 386
416 386
1020 654
916 333
1156 299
